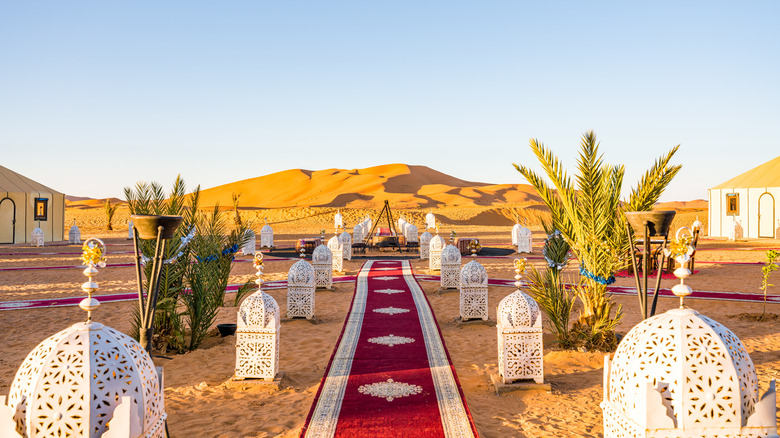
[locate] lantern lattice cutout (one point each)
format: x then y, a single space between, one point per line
520 349
450 267
266 237
74 235
300 290
430 220
524 240
473 291
357 233
434 252
36 237
682 374
257 337
346 245
425 245
515 230
249 246
411 234
322 259
337 253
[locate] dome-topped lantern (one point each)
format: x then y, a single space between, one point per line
524 240
410 234
266 236
337 252
88 380
257 333
430 220
300 290
682 374
357 233
519 326
322 259
515 231
36 237
338 220
249 246
74 235
346 244
425 245
450 267
473 291
434 252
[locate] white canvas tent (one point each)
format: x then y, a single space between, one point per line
25 204
751 199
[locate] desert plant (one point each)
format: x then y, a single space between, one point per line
150 198
110 210
768 268
589 214
556 302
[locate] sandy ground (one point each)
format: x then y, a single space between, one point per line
200 403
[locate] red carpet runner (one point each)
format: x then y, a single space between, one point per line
390 374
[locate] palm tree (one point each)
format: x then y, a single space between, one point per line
589 213
110 210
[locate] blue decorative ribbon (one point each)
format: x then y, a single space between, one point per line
597 278
227 251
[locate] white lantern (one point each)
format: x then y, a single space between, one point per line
129 230
450 267
322 259
473 291
257 337
300 290
434 252
338 220
515 231
681 374
357 233
410 234
425 245
430 220
249 246
337 252
524 240
266 237
36 237
74 235
346 245
520 348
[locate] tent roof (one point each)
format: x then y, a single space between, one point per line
765 175
13 182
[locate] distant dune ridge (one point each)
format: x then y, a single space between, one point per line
405 186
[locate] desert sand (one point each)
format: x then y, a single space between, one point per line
201 403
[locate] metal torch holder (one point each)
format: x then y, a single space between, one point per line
641 284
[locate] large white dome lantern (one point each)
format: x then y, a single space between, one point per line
266 236
434 252
682 374
88 380
425 245
473 280
322 259
337 253
450 267
300 290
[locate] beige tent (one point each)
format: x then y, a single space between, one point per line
751 199
25 204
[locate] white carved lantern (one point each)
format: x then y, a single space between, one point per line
338 220
36 237
88 380
357 233
681 374
300 290
411 233
266 237
473 281
736 232
322 259
401 223
515 231
337 252
450 267
74 235
129 230
434 252
524 240
346 245
249 246
425 245
519 326
257 333
430 220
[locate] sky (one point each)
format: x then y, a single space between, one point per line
95 95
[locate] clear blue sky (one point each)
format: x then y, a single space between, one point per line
97 95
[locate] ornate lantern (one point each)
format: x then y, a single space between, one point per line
322 259
519 326
257 332
338 220
524 240
266 236
36 237
681 374
425 245
357 233
411 234
434 253
336 249
515 231
346 245
450 267
300 290
473 291
88 380
74 235
249 246
430 220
